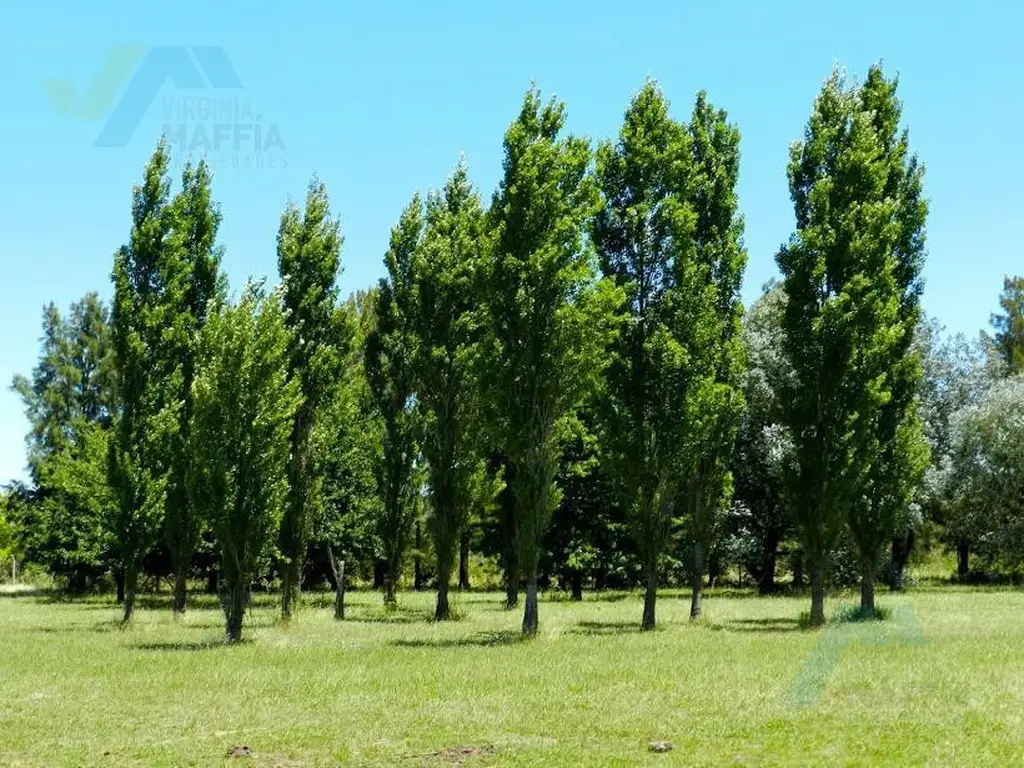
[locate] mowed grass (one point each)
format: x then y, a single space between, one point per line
940 683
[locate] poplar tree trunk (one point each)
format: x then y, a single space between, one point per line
798 571
867 587
530 619
650 598
131 581
234 606
391 584
119 584
417 564
576 582
818 594
963 557
288 592
511 585
338 569
180 588
443 611
766 576
698 580
464 562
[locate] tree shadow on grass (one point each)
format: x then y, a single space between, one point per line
606 628
392 617
203 645
773 625
478 640
103 626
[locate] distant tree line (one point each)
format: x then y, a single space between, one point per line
563 381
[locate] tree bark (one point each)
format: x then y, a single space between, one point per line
867 588
798 571
902 546
650 599
379 569
698 580
818 594
766 575
963 559
530 618
576 583
234 606
443 611
180 588
464 562
338 569
131 581
288 592
417 562
511 586
119 584
390 577
211 582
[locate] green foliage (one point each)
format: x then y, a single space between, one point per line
670 237
550 319
308 260
348 440
245 404
985 481
149 374
70 403
444 322
851 278
761 518
900 453
389 358
195 286
1009 325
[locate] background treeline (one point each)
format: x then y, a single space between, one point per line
558 387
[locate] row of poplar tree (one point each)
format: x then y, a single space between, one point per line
599 285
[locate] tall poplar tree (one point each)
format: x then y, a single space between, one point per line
391 375
198 282
243 407
308 260
848 289
720 258
148 380
550 319
644 234
900 449
445 319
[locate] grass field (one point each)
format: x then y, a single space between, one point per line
941 682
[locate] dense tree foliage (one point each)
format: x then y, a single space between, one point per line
563 383
244 407
850 276
148 375
197 284
389 359
70 401
1009 325
445 319
308 260
550 319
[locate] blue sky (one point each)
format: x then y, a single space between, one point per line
380 100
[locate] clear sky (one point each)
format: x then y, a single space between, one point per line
380 99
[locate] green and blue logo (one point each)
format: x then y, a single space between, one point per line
208 110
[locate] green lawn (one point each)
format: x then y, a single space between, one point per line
940 683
